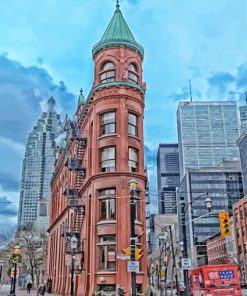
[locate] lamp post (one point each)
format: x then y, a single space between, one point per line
1 271
73 246
132 185
17 252
184 207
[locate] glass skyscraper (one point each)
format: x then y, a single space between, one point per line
207 133
242 143
223 184
243 116
167 177
38 167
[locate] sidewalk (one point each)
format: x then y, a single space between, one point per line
4 291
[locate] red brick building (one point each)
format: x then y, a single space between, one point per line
103 149
217 250
240 229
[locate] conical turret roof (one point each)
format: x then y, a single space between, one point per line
118 33
81 99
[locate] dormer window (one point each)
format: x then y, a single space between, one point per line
132 76
108 72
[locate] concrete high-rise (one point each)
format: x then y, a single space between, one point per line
167 177
38 166
207 134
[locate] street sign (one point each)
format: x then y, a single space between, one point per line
138 255
133 266
13 272
186 263
123 257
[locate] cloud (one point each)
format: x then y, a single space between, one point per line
8 181
232 86
221 80
7 207
21 91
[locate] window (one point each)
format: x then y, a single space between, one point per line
43 210
108 72
107 252
108 123
132 124
108 159
133 159
132 75
107 204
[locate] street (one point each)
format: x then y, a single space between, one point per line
4 291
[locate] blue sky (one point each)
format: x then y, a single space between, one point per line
45 49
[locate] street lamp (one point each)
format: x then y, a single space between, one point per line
16 252
1 270
73 246
132 184
208 203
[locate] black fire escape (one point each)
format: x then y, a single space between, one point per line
73 201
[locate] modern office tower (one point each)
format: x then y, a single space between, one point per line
167 177
223 184
242 144
90 210
207 134
38 166
243 116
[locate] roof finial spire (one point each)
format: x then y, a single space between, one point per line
117 4
81 91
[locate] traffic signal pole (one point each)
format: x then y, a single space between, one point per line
132 239
185 250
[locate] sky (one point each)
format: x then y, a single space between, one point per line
45 49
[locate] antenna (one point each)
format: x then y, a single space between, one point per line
190 91
245 97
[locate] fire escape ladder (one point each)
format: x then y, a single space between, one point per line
78 219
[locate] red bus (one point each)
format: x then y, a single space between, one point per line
215 280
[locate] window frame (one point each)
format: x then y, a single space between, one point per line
133 73
104 196
107 160
132 125
104 246
108 73
133 161
103 125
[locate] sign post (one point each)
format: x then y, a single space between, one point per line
133 266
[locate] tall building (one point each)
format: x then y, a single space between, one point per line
167 177
243 116
90 187
242 144
207 134
38 166
223 184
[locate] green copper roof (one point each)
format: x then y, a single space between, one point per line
81 99
118 33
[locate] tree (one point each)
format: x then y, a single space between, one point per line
33 245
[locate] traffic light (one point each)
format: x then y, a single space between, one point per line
225 226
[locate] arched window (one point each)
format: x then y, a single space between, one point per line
108 72
132 76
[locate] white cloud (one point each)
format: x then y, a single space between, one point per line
17 147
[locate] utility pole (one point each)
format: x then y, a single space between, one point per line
174 260
185 250
132 232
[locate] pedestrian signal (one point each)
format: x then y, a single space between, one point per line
225 226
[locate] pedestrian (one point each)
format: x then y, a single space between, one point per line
49 286
121 291
29 287
42 290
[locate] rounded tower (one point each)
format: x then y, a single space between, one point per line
112 119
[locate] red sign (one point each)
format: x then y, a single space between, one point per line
111 256
13 272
